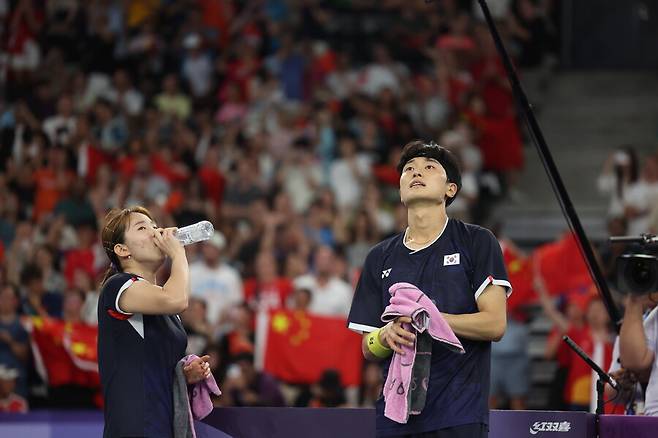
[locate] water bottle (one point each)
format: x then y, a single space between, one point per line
195 233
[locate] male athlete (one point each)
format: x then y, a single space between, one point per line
457 265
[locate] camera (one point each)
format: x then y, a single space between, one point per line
637 274
637 271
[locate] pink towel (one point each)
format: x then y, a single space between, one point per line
199 394
408 300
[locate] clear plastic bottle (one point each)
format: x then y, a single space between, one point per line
195 233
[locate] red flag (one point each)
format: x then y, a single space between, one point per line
562 266
297 347
81 343
65 353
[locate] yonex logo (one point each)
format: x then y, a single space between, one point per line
386 272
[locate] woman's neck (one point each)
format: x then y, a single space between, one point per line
146 273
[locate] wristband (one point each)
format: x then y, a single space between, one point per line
376 347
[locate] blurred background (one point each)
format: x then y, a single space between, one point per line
281 122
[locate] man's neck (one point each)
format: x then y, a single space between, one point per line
425 222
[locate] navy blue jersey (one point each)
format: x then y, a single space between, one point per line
453 271
137 355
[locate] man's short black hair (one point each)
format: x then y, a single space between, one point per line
447 159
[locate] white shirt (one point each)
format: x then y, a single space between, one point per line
641 196
59 128
297 186
345 184
651 331
220 287
198 71
332 299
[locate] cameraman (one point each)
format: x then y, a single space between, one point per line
638 343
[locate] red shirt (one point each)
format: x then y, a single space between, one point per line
78 259
267 296
578 388
213 183
49 191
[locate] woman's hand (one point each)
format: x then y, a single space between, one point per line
197 370
393 336
166 241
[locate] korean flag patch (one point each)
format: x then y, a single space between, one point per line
452 259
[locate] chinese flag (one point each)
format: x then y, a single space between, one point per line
562 266
80 342
297 347
65 353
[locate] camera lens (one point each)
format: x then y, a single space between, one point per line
640 274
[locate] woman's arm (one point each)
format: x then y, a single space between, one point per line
172 298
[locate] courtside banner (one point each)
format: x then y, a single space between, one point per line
296 347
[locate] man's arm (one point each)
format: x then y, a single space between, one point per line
633 350
391 337
489 323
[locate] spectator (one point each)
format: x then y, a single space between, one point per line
300 300
331 295
214 280
268 290
640 196
14 342
244 386
10 401
510 367
328 392
199 331
60 127
75 205
46 261
38 301
123 95
171 101
349 173
620 170
111 128
237 333
300 175
593 335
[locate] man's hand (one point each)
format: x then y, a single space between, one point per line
626 379
393 336
644 301
197 370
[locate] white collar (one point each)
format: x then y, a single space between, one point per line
413 251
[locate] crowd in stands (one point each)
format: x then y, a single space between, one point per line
279 121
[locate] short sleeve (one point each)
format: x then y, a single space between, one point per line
489 265
651 329
367 306
111 292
